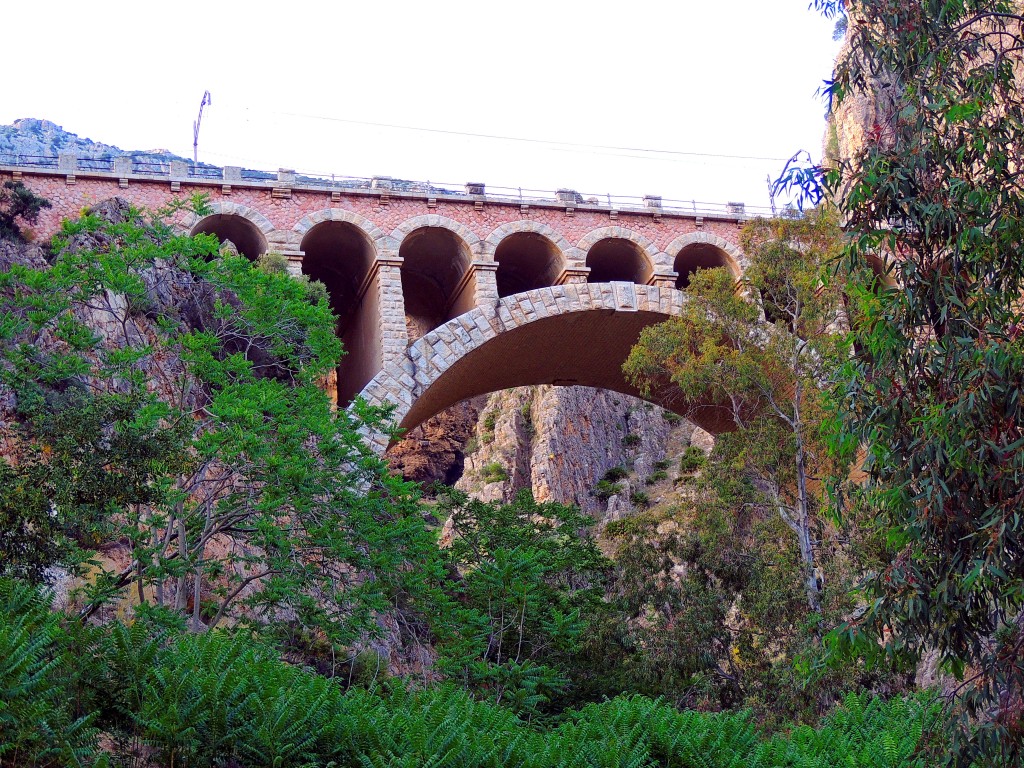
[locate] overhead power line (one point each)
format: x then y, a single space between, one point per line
524 140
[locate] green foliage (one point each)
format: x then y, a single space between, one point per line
656 477
18 202
639 499
631 440
932 202
693 458
493 472
216 699
605 489
768 375
195 429
615 474
38 723
530 580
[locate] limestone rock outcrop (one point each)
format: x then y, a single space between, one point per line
559 442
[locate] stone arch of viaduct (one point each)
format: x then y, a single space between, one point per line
443 295
397 292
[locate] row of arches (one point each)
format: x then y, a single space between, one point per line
438 278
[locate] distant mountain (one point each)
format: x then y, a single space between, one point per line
43 138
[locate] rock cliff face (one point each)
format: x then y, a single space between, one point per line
43 138
559 442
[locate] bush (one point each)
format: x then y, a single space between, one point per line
631 440
692 460
656 477
18 202
605 489
493 472
614 474
640 499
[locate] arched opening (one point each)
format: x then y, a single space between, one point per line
526 261
436 279
617 259
243 234
341 256
698 256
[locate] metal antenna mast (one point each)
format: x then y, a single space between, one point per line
195 126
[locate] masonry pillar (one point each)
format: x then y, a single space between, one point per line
294 261
573 276
486 278
664 279
394 336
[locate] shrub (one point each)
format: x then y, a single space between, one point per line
18 202
692 460
640 499
614 474
493 472
656 477
631 440
605 489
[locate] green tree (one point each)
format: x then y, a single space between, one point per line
174 395
18 202
529 579
770 376
933 396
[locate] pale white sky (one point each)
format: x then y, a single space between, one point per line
735 78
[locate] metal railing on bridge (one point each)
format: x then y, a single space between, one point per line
156 166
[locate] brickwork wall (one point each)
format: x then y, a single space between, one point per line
279 218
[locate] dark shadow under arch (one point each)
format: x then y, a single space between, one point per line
526 260
245 235
341 256
618 259
699 256
435 266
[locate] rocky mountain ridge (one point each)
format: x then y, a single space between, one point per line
43 138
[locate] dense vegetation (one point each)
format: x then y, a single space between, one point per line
249 576
933 202
219 699
172 457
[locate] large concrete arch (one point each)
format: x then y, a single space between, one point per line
576 334
384 245
737 260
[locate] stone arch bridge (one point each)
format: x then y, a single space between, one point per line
440 294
